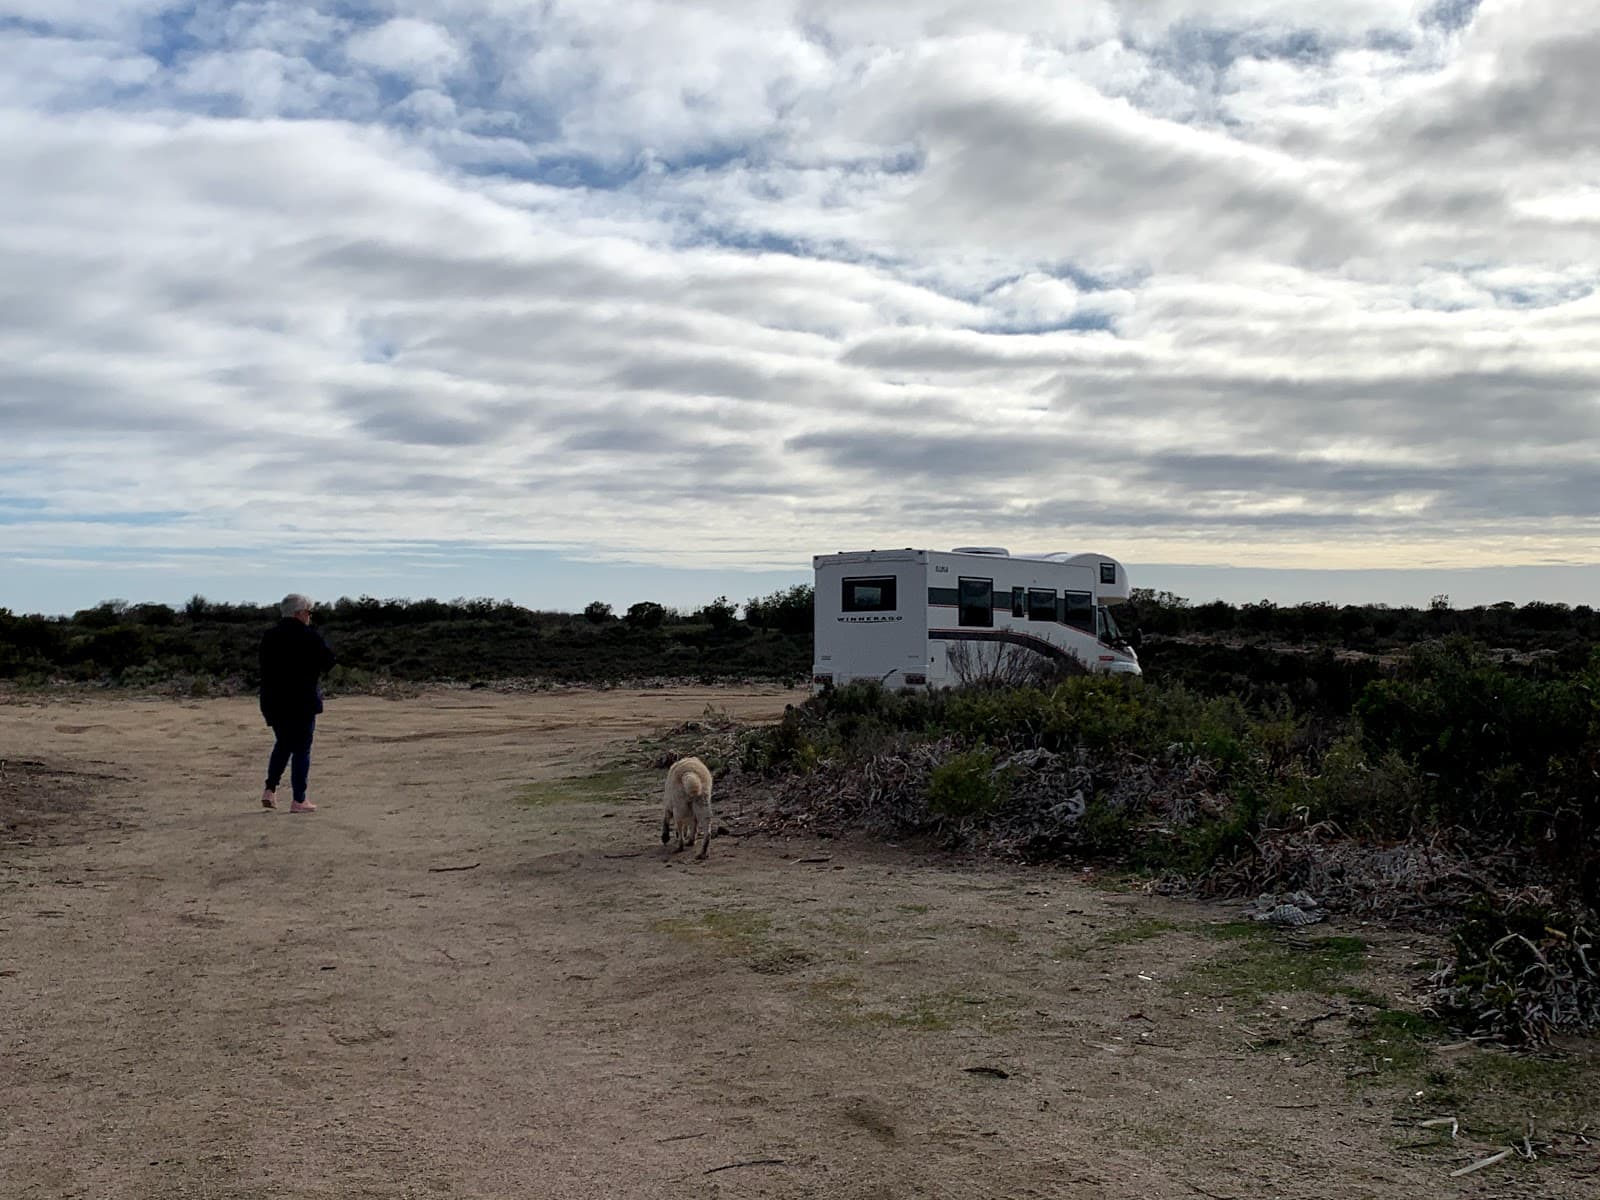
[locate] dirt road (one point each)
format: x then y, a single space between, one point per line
469 976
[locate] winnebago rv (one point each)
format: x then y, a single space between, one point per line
927 618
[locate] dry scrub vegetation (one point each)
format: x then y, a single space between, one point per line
1457 791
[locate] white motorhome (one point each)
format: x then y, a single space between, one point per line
925 618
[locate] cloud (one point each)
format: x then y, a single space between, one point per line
266 83
91 17
1518 84
418 51
698 282
292 27
50 70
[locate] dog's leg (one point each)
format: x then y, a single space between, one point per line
702 815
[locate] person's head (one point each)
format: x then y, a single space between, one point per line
297 606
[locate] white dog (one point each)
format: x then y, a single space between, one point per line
688 805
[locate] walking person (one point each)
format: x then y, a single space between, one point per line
293 658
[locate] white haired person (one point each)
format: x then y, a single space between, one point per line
293 658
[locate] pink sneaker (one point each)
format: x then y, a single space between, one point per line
269 798
302 806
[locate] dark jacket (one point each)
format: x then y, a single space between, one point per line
293 657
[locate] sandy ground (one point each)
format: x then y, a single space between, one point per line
204 999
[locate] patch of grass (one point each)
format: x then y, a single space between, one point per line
926 1016
931 1013
913 909
1233 931
1149 1134
1137 931
833 989
742 930
778 960
609 786
1363 996
1120 883
844 1007
1004 934
1393 1040
1495 1094
1257 966
1142 930
839 999
844 924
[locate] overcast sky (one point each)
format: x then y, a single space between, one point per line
548 299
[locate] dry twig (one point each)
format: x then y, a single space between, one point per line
753 1162
1483 1162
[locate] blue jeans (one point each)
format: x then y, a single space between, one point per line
292 749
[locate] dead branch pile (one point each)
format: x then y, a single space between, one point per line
1050 794
887 794
716 738
1524 970
1387 880
1041 797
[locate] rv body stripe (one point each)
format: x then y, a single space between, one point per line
1006 612
1011 637
980 634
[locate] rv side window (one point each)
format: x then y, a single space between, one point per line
1019 602
1080 611
977 602
1041 604
1108 572
869 595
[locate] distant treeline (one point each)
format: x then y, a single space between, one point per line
419 641
1319 658
1371 628
1298 653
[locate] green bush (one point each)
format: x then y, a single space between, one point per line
966 786
1506 752
719 614
789 612
645 615
1456 743
1385 798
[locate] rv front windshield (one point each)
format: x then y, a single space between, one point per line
1108 627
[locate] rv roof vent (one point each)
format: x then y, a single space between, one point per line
997 551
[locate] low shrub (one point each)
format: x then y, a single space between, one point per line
966 786
1523 969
